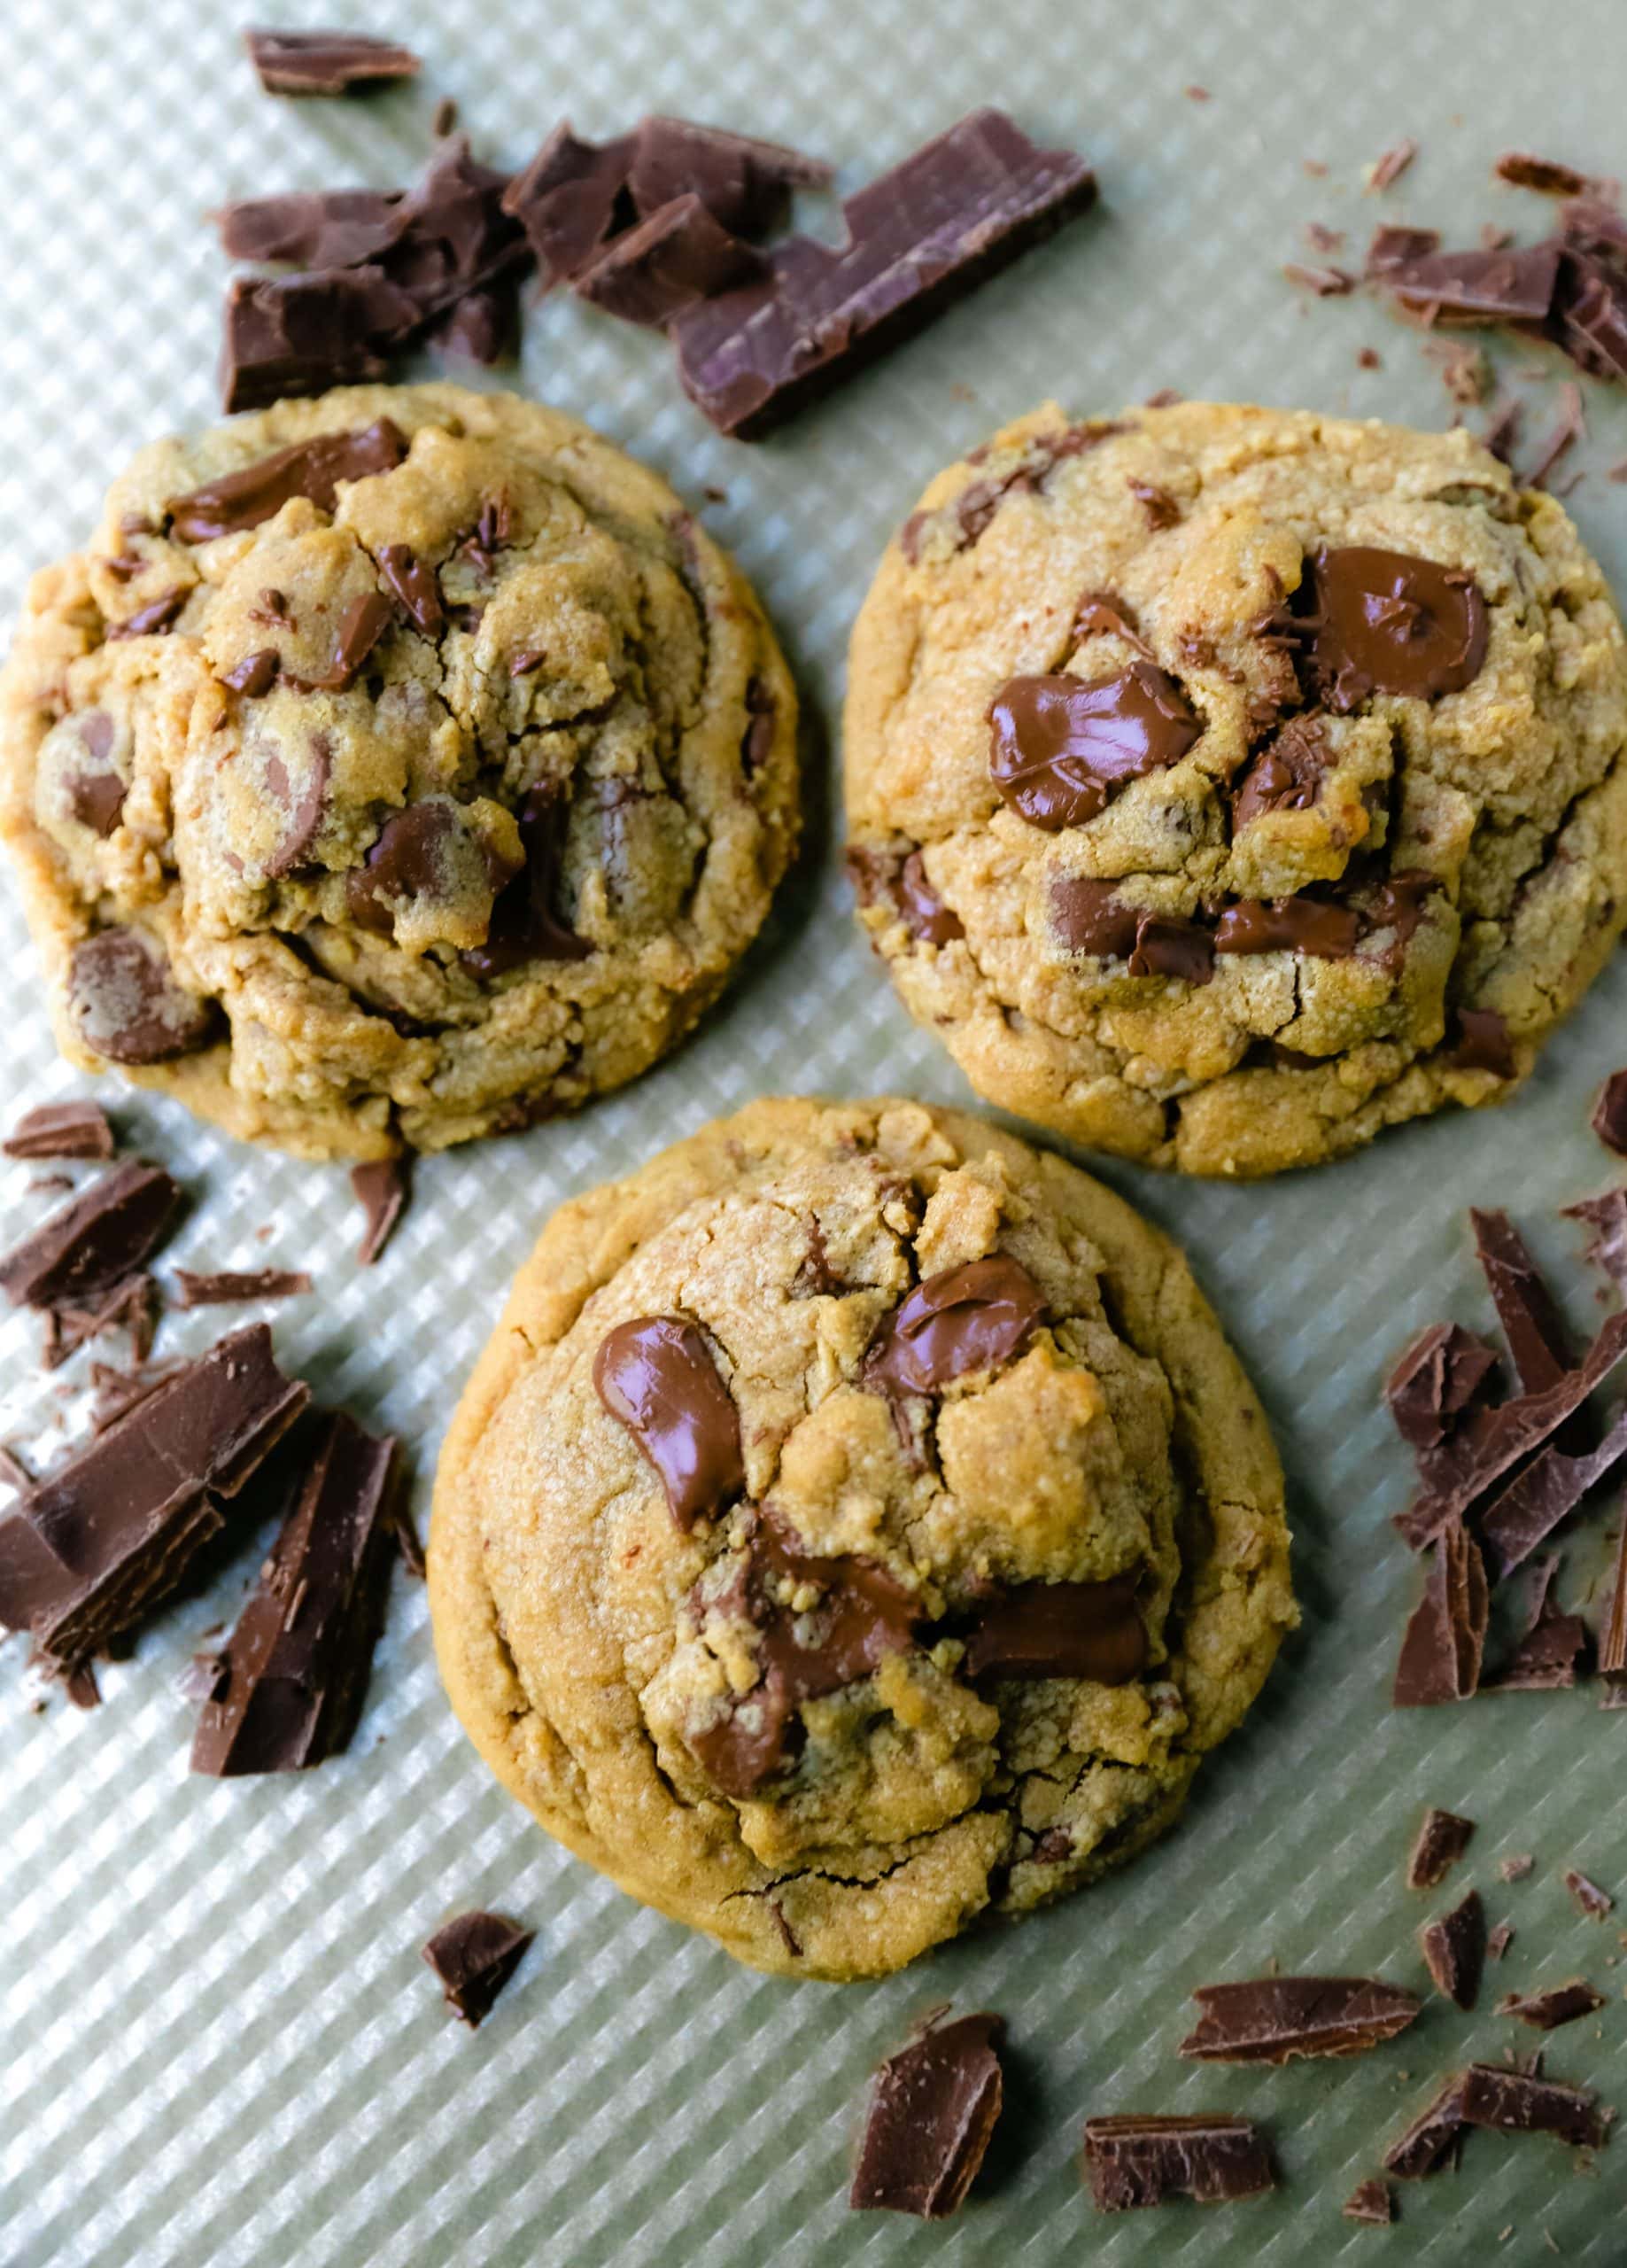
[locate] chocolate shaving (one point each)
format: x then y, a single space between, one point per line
1546 1493
61 1130
1559 2004
1613 1643
1455 1950
1134 2161
1498 1940
1327 282
1518 2102
1441 1375
1426 2144
474 1957
1388 168
1442 1840
1478 287
1536 1338
1605 1218
1515 1866
382 1187
97 1242
932 2115
1371 2201
225 1287
1590 1899
1273 2019
325 63
1445 1638
130 1305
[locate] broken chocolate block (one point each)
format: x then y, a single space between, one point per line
474 1957
294 1672
571 199
96 1242
325 63
1442 1840
1517 2102
1273 2019
1425 2145
61 1130
1455 1950
745 184
1559 2004
1132 2161
301 334
932 2116
671 261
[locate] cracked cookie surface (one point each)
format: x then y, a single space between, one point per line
857 1523
1226 784
392 769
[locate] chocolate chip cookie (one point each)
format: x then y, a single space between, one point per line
1226 784
393 768
856 1524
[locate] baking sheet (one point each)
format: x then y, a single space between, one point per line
218 2043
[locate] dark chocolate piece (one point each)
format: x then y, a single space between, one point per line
227 1286
1439 1377
1091 917
423 854
1059 1630
1613 1639
61 1130
1517 2102
671 261
1481 1042
743 183
96 1544
1061 749
932 2115
1547 1491
294 1672
572 199
1166 945
484 326
1590 1899
1444 1639
1546 175
115 1222
524 926
1425 2146
126 1004
1552 1647
973 1318
1132 2161
1536 1338
1455 1950
919 236
474 1957
332 227
1559 2004
1609 1119
292 335
1291 925
415 587
1273 2019
1442 1840
1505 286
881 873
1605 1220
456 236
1371 2201
1100 615
325 63
655 1376
382 1187
1366 621
311 469
130 1305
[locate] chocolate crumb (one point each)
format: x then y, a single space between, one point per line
474 1957
1517 1866
932 2115
1390 166
1371 2201
1498 1940
1368 357
1590 1899
1442 1840
446 118
1327 282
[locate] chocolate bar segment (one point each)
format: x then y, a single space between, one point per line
325 63
1134 2161
933 2113
1273 2019
94 1242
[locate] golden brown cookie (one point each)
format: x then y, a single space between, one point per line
1225 784
393 768
857 1522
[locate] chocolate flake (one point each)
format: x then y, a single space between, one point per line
1327 283
1610 1118
61 1130
932 2112
1273 2019
1371 2201
129 1305
224 1288
572 199
1559 2004
1444 1639
1518 2102
325 63
474 1957
1606 1219
1388 168
1570 428
1440 1375
1508 287
1515 1866
1132 2160
1426 2144
1544 1493
1498 1940
1590 1899
973 1318
1536 1338
656 1375
97 1242
744 184
1442 1840
1613 1643
382 1187
1455 1950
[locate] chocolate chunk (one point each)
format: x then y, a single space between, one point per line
1426 2144
1442 1840
1590 323
1365 621
456 236
1445 1638
1613 1641
474 1957
923 235
129 1305
255 675
1371 2202
1390 165
325 63
1061 749
1168 946
743 183
415 586
1506 286
973 1318
1131 2160
295 1669
656 1377
570 199
1545 174
1455 1950
313 469
1590 1899
524 926
1605 1220
61 1130
295 335
1536 1338
1544 1493
1273 2019
1091 917
422 855
96 787
302 805
862 1614
1059 1630
1552 1647
1441 1375
877 874
1480 1041
334 228
1517 2102
1609 1119
1291 925
362 626
151 620
1286 775
484 326
97 1543
382 1187
932 2114
127 1006
1559 2004
103 1237
227 1287
670 262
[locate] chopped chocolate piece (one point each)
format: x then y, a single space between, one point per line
879 873
1439 1377
296 1667
224 1288
1427 2142
79 1684
474 1957
1545 174
96 1544
1444 1639
1590 309
456 238
1481 1042
1537 1499
151 620
1368 357
1398 247
1552 1646
743 183
1061 749
1499 1941
932 2115
1517 2102
1091 917
1286 775
1591 1900
255 675
383 1186
446 118
95 785
570 199
301 334
1504 431
1455 1950
1168 946
1609 1119
1465 372
1442 1840
1390 165
968 1318
1291 924
656 1375
924 234
1536 1338
1365 621
1371 2201
103 1237
129 1305
484 326
1571 428
61 1130
1512 286
524 926
311 469
1606 1217
1326 283
1559 2004
1059 1630
325 63
1613 1641
415 587
1515 1866
334 228
1131 2160
362 626
672 261
126 1003
1273 2019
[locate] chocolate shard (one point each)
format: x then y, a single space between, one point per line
382 1187
1062 749
127 1005
312 228
932 2115
295 1669
229 1285
1605 1220
474 1956
1371 2201
1440 1375
572 198
61 1130
313 469
1393 246
1442 1840
456 238
1552 1647
1444 1639
1559 2004
1613 1641
325 63
97 1242
1510 285
1515 1866
670 262
968 1318
1517 2102
1498 1940
96 1544
1609 1119
1547 176
1455 1950
919 236
1481 1041
1132 2161
1590 1899
294 335
1536 1338
656 1375
1424 2147
129 1305
1036 1630
1550 1488
743 183
1273 2019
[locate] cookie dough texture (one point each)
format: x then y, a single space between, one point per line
410 813
586 1639
1183 536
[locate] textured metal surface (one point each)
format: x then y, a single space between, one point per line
218 2043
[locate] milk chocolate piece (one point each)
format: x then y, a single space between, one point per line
1442 1840
415 587
1166 945
1132 2161
474 1957
1424 2147
1389 165
1512 285
130 1305
919 236
524 926
1371 2201
150 620
227 1286
362 626
1559 2004
294 1672
1393 246
61 1130
656 1375
1091 917
572 199
1444 1639
1547 1491
1517 2102
1286 775
672 261
743 183
1609 1119
1536 1338
1273 2019
325 63
1605 1220
1481 1042
94 1545
1365 621
1455 1950
312 228
126 1004
1101 615
1061 749
294 335
932 2115
311 469
1552 1646
97 1241
876 874
484 326
1590 1899
382 1187
1439 1377
456 236
1036 1630
255 675
973 1318
1292 925
424 854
